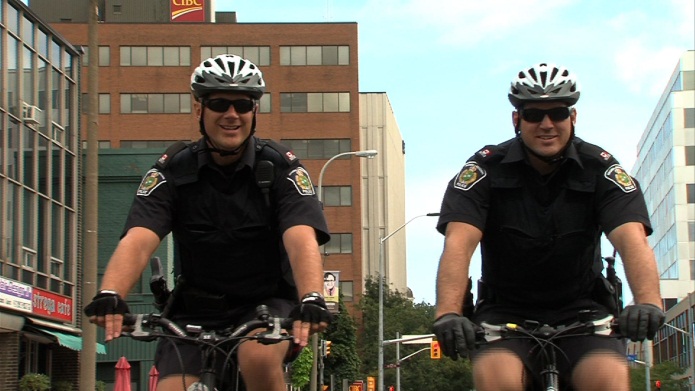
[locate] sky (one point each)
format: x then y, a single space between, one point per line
446 66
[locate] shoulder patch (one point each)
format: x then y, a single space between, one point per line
301 181
152 179
470 174
485 152
621 178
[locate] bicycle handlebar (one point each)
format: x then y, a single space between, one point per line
606 326
145 325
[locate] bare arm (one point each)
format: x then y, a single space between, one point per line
124 269
129 260
460 242
640 265
307 270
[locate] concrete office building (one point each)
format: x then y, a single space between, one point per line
147 51
666 170
40 258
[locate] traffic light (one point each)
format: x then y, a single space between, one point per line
435 352
327 349
658 384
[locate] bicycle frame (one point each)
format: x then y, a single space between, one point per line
544 336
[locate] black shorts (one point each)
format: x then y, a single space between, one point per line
175 357
572 349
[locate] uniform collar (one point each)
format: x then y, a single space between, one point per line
248 157
516 152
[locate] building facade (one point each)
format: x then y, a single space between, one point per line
147 51
666 170
40 187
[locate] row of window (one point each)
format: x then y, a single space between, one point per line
157 56
295 102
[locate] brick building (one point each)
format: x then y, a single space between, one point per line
312 104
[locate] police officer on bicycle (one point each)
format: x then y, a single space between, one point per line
243 236
538 205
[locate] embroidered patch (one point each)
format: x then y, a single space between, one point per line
151 181
300 179
290 156
605 155
484 152
470 174
620 177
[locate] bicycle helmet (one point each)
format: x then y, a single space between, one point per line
544 82
227 72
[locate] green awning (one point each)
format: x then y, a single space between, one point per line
71 341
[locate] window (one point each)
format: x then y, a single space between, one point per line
689 114
346 290
318 148
314 55
104 56
259 55
162 144
690 155
155 103
337 195
690 193
100 144
104 104
339 244
155 56
315 102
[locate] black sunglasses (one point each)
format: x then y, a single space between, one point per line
556 114
221 105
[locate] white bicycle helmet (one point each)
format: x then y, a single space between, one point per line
227 72
544 83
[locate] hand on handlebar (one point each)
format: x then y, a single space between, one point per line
456 335
310 316
106 310
641 321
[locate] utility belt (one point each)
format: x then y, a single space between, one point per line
605 292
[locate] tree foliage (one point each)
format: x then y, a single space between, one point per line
668 372
403 317
301 368
343 362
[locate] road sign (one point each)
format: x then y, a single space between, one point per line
631 357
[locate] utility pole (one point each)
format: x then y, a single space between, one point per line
88 356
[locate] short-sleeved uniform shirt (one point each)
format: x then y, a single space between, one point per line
228 240
541 234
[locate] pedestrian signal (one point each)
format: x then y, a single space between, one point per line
435 352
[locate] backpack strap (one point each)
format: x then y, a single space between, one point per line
271 159
170 152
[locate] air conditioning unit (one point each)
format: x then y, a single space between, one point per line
30 114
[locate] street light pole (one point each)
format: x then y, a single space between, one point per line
370 153
382 280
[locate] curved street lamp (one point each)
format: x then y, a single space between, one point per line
369 153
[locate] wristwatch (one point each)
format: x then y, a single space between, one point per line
312 295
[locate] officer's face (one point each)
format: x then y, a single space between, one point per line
546 137
226 128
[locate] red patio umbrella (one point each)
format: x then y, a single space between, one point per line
122 375
154 376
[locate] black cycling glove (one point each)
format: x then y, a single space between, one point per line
312 309
106 303
456 335
641 321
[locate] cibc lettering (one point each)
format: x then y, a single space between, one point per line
181 3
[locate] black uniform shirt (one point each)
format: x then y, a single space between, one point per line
541 234
227 238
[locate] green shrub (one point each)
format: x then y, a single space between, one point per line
100 386
61 385
34 382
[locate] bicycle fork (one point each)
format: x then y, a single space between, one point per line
550 373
